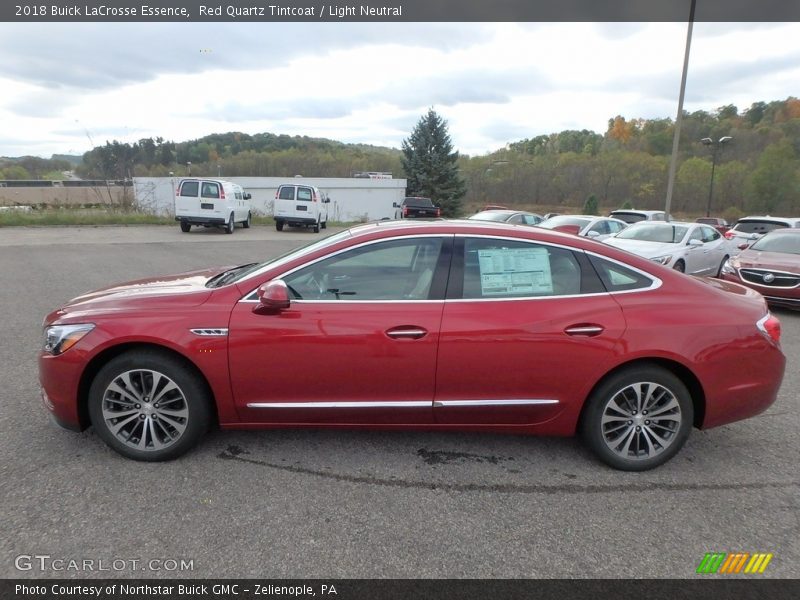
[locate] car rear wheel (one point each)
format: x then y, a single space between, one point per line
324 225
229 226
279 225
185 227
149 406
316 227
246 223
638 418
680 266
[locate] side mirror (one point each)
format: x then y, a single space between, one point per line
395 205
247 196
695 243
273 296
593 234
743 246
753 236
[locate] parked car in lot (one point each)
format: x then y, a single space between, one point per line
770 266
515 217
631 215
211 202
686 247
749 229
720 225
417 207
436 325
597 228
300 205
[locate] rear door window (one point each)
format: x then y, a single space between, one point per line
286 193
209 190
190 188
305 194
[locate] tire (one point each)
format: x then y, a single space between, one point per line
185 227
230 225
316 227
246 223
279 225
680 266
719 270
324 225
149 432
642 443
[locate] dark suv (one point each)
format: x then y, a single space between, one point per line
416 207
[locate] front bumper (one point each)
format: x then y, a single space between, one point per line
59 377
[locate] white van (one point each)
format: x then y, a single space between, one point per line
299 205
211 202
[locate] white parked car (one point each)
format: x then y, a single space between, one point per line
597 228
299 205
211 202
749 229
691 248
631 215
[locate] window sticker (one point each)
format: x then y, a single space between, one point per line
515 271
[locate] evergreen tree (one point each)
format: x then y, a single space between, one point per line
590 206
431 165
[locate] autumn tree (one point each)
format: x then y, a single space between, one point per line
431 164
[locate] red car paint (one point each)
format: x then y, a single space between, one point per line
704 330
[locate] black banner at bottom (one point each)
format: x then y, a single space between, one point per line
400 589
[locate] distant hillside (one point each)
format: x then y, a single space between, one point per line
71 159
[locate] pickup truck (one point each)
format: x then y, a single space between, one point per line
415 207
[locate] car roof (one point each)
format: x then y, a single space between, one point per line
793 220
637 211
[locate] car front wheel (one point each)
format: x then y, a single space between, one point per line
149 406
638 418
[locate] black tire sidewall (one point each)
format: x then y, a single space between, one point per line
195 393
591 428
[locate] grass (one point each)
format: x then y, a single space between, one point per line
69 216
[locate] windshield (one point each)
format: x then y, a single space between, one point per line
289 256
490 216
666 234
785 243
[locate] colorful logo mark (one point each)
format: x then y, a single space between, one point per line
734 562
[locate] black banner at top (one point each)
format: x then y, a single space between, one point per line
333 11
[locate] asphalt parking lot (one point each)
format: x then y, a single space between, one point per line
309 504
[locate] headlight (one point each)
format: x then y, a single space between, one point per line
728 268
662 260
60 338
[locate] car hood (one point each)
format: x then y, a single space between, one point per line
643 248
184 289
775 261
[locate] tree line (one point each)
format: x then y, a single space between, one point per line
758 171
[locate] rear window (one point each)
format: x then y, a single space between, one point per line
209 190
286 193
759 226
629 217
418 202
304 194
189 188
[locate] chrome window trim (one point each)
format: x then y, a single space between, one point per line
246 297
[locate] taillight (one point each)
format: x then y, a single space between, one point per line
314 198
405 211
770 326
438 212
221 193
729 235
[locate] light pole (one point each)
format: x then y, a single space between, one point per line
189 166
715 149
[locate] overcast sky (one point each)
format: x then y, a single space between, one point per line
64 84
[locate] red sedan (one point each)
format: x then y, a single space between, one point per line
434 325
771 266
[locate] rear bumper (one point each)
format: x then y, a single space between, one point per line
296 221
202 220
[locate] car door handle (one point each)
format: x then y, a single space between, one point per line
584 329
410 333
